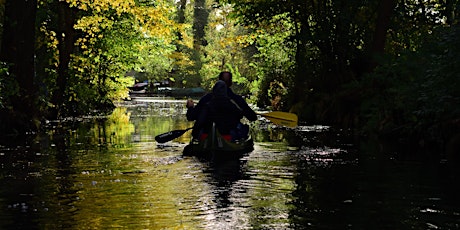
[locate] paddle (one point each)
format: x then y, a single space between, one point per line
277 117
165 137
281 118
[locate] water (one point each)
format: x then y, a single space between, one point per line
108 173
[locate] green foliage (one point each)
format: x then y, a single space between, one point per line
105 61
304 47
312 50
273 62
8 86
438 88
280 53
222 50
413 21
114 37
418 93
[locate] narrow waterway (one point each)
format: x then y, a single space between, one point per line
109 173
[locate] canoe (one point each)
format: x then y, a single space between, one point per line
215 146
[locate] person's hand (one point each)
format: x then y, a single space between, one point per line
190 103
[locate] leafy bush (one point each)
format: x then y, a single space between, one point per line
418 93
8 86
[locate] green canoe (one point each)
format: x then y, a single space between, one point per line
215 146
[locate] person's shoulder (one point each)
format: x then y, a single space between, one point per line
206 97
233 95
230 91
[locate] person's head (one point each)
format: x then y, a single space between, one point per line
226 77
220 89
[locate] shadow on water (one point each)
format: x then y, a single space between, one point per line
223 175
108 172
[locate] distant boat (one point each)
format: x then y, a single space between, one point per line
140 87
187 92
140 84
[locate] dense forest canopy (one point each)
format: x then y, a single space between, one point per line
389 67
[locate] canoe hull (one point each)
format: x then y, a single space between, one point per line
214 146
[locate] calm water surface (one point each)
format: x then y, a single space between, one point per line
109 173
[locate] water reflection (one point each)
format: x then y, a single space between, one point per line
108 172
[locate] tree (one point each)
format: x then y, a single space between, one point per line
97 43
225 50
334 44
385 10
188 58
17 50
412 93
66 37
200 22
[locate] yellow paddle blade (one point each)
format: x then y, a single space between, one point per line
281 118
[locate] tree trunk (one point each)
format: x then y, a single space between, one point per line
199 23
385 11
450 12
300 81
182 4
18 50
66 37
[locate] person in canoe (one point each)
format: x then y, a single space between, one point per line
223 107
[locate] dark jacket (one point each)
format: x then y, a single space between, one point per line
223 107
192 113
